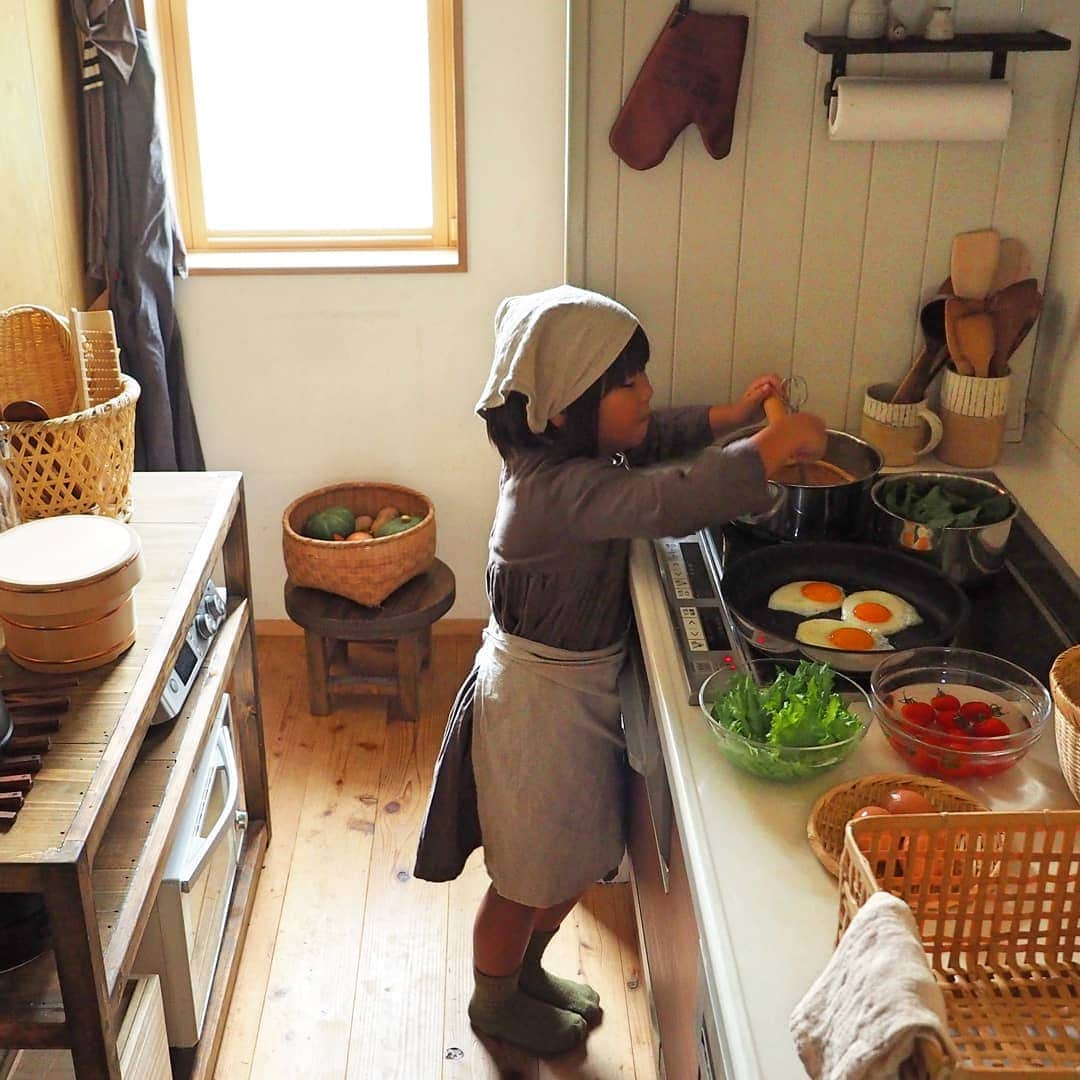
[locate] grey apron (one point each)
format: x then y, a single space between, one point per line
549 759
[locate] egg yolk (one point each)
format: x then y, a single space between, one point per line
822 592
851 638
871 612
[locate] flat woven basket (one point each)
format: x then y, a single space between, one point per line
75 464
366 571
996 904
35 359
1065 688
832 812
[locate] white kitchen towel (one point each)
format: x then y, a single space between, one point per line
552 346
877 995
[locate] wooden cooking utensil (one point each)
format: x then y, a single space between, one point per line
775 407
1014 264
1014 311
974 263
954 311
929 362
975 333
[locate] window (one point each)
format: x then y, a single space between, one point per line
315 135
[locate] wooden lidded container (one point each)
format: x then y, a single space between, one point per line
67 591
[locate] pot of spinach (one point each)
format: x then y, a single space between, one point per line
959 523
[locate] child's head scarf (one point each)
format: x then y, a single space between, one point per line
552 346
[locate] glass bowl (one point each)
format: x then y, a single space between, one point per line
908 687
781 762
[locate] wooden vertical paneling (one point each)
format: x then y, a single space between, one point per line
796 253
709 237
782 105
648 225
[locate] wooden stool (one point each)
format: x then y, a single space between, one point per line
403 621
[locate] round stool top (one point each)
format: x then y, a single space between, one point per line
417 604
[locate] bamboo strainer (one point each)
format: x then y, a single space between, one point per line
35 359
1065 689
832 812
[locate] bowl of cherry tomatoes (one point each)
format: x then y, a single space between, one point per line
957 713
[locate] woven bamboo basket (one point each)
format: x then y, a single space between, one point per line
996 903
832 812
366 571
1065 689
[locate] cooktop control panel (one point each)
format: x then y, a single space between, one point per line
697 613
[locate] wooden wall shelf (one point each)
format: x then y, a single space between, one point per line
998 44
94 833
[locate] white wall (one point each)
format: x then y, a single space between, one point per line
305 380
1056 382
799 254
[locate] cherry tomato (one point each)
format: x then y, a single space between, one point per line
946 720
991 728
975 710
945 703
918 712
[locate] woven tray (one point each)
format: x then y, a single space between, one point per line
825 828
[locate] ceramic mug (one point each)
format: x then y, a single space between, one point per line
901 432
973 415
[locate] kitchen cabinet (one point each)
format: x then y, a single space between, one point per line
96 827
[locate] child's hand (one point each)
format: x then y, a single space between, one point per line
795 437
748 407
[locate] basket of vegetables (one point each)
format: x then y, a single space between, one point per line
358 540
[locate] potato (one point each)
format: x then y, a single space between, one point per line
387 513
364 523
360 534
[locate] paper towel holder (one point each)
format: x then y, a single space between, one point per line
999 44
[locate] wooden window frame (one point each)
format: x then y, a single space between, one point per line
440 249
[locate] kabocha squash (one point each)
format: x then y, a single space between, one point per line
401 523
333 523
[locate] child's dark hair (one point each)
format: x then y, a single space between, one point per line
508 429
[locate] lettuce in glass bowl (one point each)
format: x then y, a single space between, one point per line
785 719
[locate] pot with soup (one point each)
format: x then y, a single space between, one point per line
824 500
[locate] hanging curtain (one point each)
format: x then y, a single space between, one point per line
133 246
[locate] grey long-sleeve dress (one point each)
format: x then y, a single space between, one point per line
558 572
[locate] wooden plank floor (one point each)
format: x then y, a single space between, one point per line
353 968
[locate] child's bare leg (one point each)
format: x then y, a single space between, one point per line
541 984
498 1007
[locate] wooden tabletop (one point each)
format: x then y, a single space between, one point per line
414 606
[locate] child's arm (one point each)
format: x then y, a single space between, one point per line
723 418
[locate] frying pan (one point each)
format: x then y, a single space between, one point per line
750 580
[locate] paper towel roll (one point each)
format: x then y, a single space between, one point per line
900 110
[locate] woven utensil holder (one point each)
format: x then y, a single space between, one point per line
973 413
1065 689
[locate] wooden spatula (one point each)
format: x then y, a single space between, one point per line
955 310
1014 311
974 263
976 337
1013 265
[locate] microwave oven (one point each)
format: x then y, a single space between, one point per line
187 923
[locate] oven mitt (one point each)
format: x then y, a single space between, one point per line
691 75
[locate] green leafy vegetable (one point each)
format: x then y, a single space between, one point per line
939 506
798 714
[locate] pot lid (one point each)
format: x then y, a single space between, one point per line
60 552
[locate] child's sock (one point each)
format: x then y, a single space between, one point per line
499 1009
563 993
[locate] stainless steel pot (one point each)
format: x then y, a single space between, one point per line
811 512
964 554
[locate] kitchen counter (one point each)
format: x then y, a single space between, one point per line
766 909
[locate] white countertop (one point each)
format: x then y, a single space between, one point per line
767 911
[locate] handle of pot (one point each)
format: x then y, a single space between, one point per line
779 498
934 422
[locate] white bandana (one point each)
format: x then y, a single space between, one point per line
552 346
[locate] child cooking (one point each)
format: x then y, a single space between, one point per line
533 760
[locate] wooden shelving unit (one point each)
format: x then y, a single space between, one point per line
94 833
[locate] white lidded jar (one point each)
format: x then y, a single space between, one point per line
867 19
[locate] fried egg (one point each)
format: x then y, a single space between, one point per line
884 612
806 597
835 634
